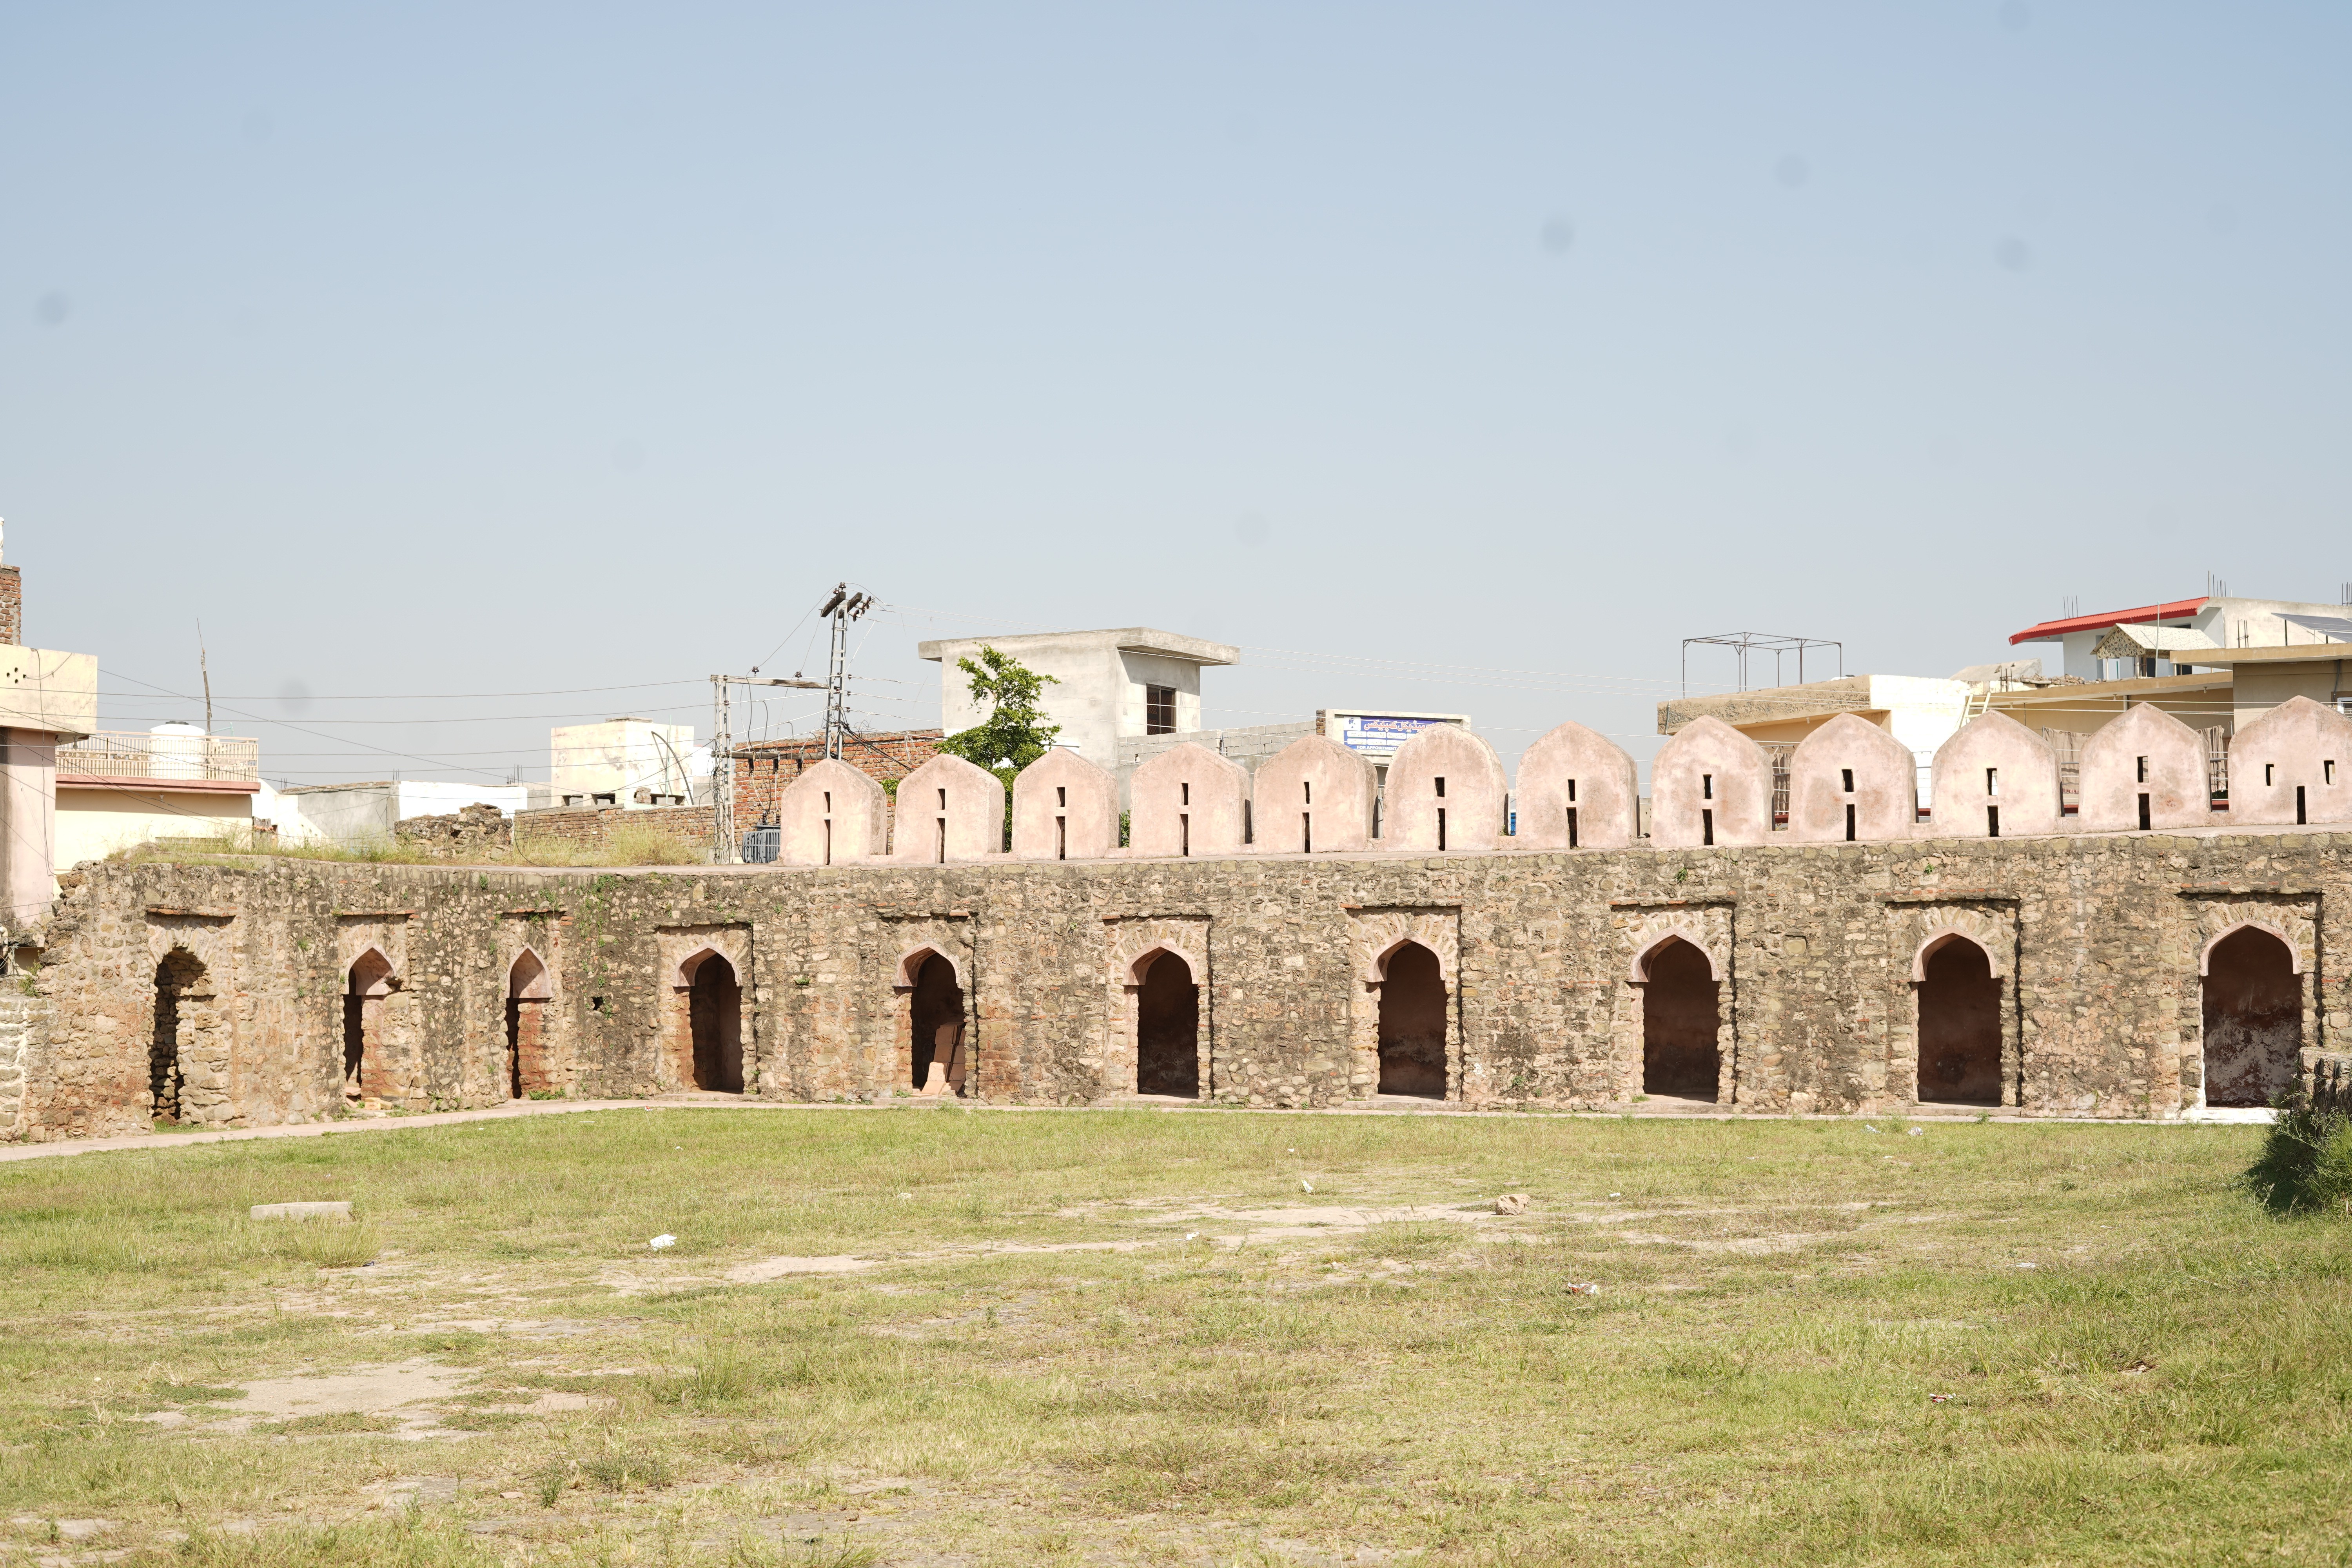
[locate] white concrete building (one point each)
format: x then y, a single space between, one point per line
354 814
2229 624
625 762
1107 685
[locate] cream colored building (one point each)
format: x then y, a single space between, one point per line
46 696
120 789
624 762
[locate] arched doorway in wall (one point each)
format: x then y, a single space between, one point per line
529 990
1958 1007
369 983
180 979
935 1009
714 1011
1682 1011
1167 1027
2254 1019
1414 1010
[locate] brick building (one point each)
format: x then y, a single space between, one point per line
764 768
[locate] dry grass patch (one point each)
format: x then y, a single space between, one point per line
1101 1338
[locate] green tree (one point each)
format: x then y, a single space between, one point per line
1014 733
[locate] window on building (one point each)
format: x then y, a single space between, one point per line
1159 709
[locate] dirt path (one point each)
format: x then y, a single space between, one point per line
1387 1106
507 1112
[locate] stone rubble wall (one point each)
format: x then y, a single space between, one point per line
592 828
23 1017
476 832
2096 942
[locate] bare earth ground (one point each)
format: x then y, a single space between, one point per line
944 1337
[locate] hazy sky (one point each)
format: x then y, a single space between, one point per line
1452 356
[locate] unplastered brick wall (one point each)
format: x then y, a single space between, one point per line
592 828
764 769
2095 943
12 606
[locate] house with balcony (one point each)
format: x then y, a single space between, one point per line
117 789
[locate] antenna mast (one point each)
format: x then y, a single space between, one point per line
841 609
205 667
725 849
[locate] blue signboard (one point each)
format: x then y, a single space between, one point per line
1377 735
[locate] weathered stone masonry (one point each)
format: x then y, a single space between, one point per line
2095 943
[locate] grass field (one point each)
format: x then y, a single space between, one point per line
950 1337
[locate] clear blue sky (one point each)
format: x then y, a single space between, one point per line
445 350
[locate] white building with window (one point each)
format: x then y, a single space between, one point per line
2164 639
1107 686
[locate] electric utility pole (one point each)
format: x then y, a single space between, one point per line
841 609
724 848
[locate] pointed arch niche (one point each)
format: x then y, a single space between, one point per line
931 1007
2250 1012
189 1071
530 991
937 1022
368 988
935 1000
1159 1033
1675 961
1405 1005
1955 1033
707 1036
183 997
375 1063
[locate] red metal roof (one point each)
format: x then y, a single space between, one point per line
2051 631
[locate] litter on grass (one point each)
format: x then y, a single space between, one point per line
1305 1186
659 1242
329 1211
1911 1131
1584 1290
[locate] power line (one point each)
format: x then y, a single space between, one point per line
443 697
363 745
465 718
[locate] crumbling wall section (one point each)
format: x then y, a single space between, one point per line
473 833
23 1019
598 827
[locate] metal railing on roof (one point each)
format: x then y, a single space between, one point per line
180 758
2068 746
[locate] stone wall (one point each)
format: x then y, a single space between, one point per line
592 828
476 832
23 1015
2096 943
